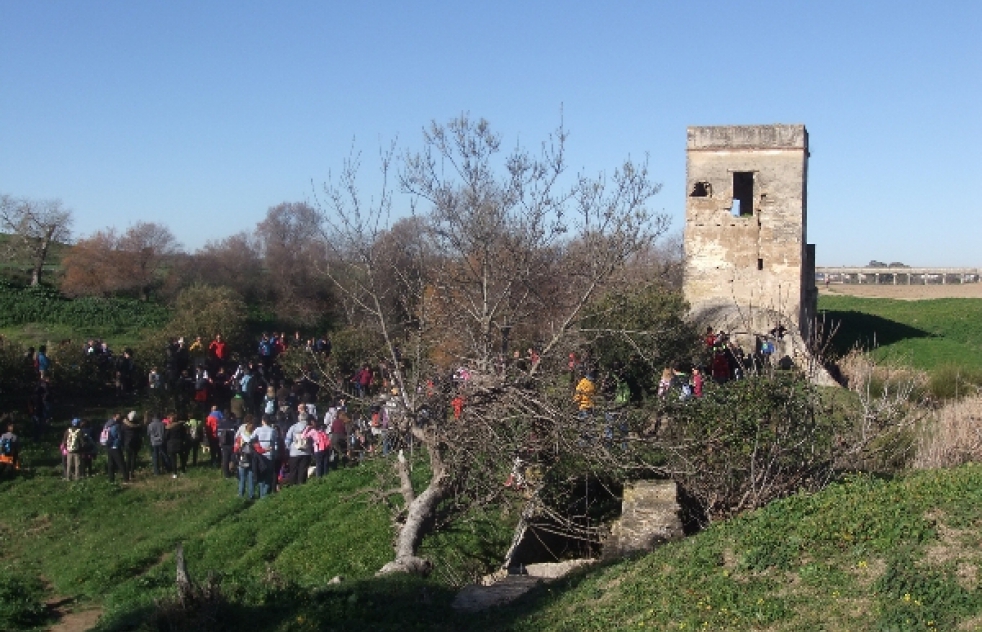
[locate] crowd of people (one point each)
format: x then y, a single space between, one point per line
264 451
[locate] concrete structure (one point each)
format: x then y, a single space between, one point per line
746 227
898 276
650 513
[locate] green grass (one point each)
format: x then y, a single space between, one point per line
113 545
864 554
928 335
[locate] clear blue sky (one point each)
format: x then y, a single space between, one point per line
202 115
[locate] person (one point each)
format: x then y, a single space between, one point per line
154 381
195 433
74 442
42 362
217 351
211 435
339 437
132 440
202 386
586 389
269 401
696 382
155 431
226 432
665 382
90 447
266 440
9 452
177 440
237 405
321 446
114 448
244 450
298 441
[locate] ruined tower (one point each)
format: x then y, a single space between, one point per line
746 227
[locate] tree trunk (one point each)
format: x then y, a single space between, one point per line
184 589
419 513
41 255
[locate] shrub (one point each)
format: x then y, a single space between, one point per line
22 604
952 382
951 436
40 304
748 442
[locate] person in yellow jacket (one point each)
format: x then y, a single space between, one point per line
584 395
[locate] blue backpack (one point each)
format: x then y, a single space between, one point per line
6 446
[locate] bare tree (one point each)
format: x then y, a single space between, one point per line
108 262
233 262
34 225
291 248
489 243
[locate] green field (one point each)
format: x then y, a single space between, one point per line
928 334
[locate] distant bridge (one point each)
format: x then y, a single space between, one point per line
897 276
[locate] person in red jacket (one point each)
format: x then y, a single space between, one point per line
211 434
218 352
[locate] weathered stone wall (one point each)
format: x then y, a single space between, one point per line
758 259
649 516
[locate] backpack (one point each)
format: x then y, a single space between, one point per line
301 441
74 441
104 436
622 394
195 426
245 454
686 392
270 407
6 446
227 437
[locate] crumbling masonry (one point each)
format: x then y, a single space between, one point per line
748 263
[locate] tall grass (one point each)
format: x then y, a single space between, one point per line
952 435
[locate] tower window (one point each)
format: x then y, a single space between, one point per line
760 264
702 189
743 193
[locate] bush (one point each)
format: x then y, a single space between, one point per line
204 310
40 304
952 382
748 442
22 604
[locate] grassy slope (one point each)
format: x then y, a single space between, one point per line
113 545
927 334
864 555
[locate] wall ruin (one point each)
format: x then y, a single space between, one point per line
746 225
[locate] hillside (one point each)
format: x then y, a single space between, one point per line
866 554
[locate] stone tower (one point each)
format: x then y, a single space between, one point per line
746 227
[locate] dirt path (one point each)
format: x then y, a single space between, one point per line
904 292
81 620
